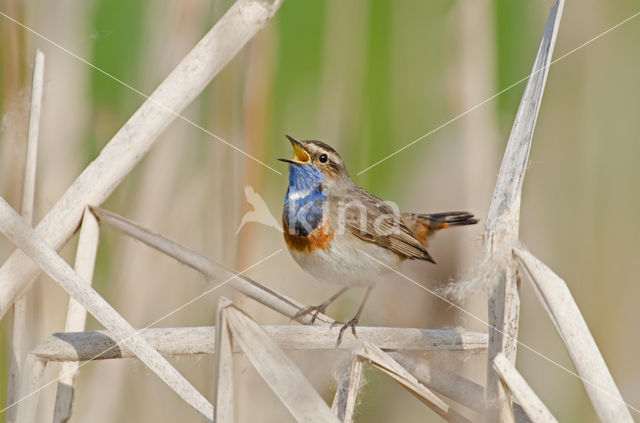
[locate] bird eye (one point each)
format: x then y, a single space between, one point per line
323 158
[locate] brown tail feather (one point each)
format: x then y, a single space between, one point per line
424 226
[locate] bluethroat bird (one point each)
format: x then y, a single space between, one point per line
340 233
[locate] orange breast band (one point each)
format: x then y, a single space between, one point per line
320 238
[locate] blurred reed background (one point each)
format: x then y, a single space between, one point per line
368 77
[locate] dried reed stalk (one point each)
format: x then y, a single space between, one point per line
344 401
450 384
100 345
30 380
270 298
565 315
34 247
241 22
445 382
223 382
501 228
278 371
19 331
37 88
383 361
522 392
76 314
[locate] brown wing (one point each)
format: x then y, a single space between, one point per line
381 226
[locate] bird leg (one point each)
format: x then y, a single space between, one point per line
353 322
315 310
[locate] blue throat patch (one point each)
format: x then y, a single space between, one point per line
303 202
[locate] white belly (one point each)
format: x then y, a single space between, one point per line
351 262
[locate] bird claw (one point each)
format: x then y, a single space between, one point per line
312 310
350 324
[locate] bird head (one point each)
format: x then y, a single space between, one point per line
316 158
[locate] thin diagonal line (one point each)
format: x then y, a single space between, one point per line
466 112
157 103
498 330
140 330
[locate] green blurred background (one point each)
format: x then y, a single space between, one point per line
368 77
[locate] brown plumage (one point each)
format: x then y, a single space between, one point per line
381 225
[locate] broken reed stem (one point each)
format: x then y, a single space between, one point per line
241 22
259 292
223 376
30 381
521 391
100 345
503 222
34 247
285 379
582 348
344 401
19 331
450 384
445 382
384 362
76 314
29 189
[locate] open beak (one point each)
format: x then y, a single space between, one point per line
300 156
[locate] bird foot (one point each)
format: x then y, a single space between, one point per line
312 310
350 324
